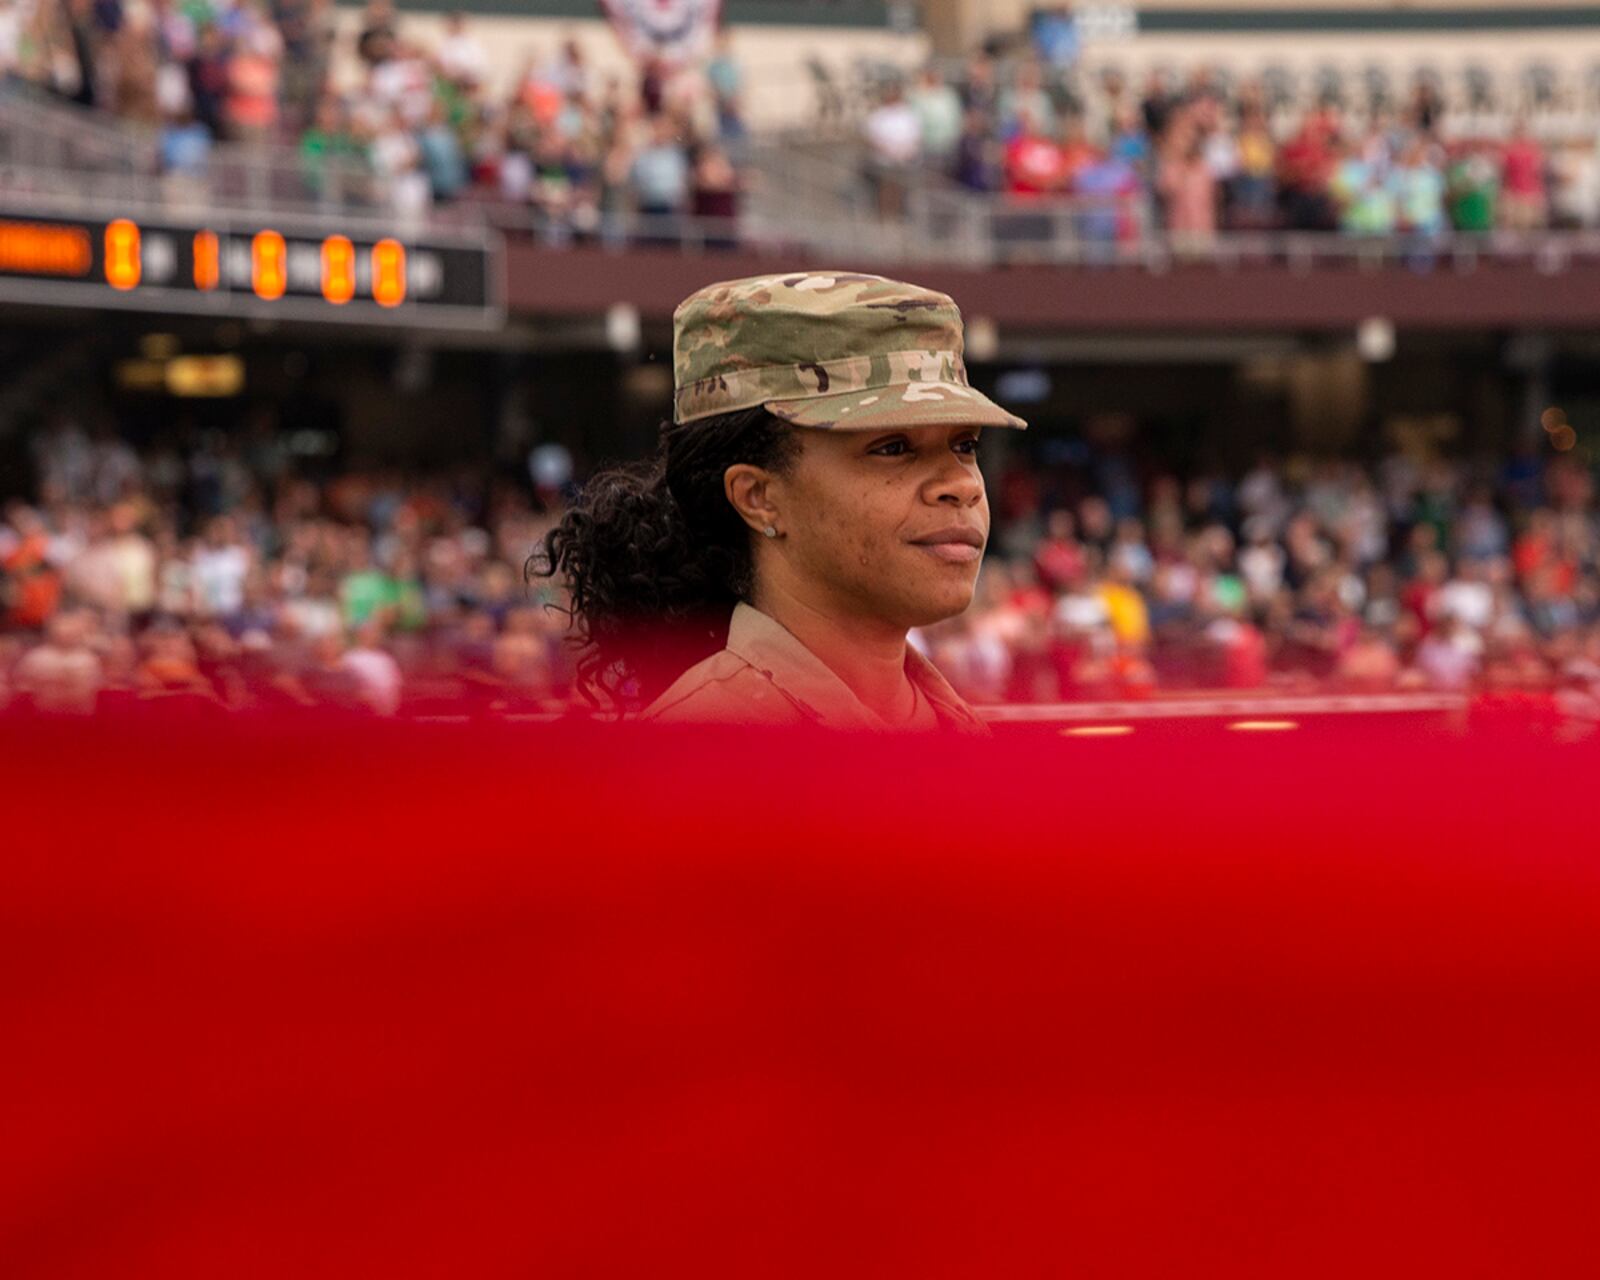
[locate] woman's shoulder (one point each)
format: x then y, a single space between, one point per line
724 689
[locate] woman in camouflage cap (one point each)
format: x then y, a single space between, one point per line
816 496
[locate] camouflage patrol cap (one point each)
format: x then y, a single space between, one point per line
826 349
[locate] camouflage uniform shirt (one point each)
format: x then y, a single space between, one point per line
765 676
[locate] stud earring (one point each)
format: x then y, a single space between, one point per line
770 531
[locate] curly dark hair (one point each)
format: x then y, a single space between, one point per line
655 556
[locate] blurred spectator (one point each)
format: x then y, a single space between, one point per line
171 665
252 93
1449 656
1575 187
1060 561
939 114
461 55
894 141
1035 164
1025 103
1419 190
1362 187
185 145
660 173
377 675
1188 188
1474 187
32 582
378 32
978 159
1522 193
442 159
219 568
62 674
727 87
1251 191
716 194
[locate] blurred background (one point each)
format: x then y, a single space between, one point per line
314 315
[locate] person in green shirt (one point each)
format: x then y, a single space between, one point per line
939 112
330 155
369 592
1474 186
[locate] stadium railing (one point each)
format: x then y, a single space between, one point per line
803 199
51 147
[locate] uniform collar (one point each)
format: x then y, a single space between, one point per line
808 682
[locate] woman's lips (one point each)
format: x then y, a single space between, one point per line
951 552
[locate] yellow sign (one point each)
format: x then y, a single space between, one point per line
205 375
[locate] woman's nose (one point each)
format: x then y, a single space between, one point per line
958 483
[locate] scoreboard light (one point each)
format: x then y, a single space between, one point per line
207 271
161 265
123 259
338 270
269 265
38 249
388 273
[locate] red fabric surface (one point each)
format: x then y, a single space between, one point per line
536 1001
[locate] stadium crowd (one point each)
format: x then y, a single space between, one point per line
392 120
218 571
1206 154
419 125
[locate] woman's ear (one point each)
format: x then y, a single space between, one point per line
749 490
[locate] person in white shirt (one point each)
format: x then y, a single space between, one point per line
377 674
219 567
894 135
1467 597
461 54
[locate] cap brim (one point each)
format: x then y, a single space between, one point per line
910 404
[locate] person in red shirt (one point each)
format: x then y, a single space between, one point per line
1417 596
30 586
1035 165
1305 165
1059 561
1536 545
1522 185
1077 152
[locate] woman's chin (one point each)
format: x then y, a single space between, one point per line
939 601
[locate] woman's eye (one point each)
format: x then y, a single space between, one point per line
968 446
890 448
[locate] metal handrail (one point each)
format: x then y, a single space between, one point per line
801 199
39 129
47 144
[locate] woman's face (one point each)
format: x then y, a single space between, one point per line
883 524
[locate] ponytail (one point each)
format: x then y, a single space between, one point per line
655 556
